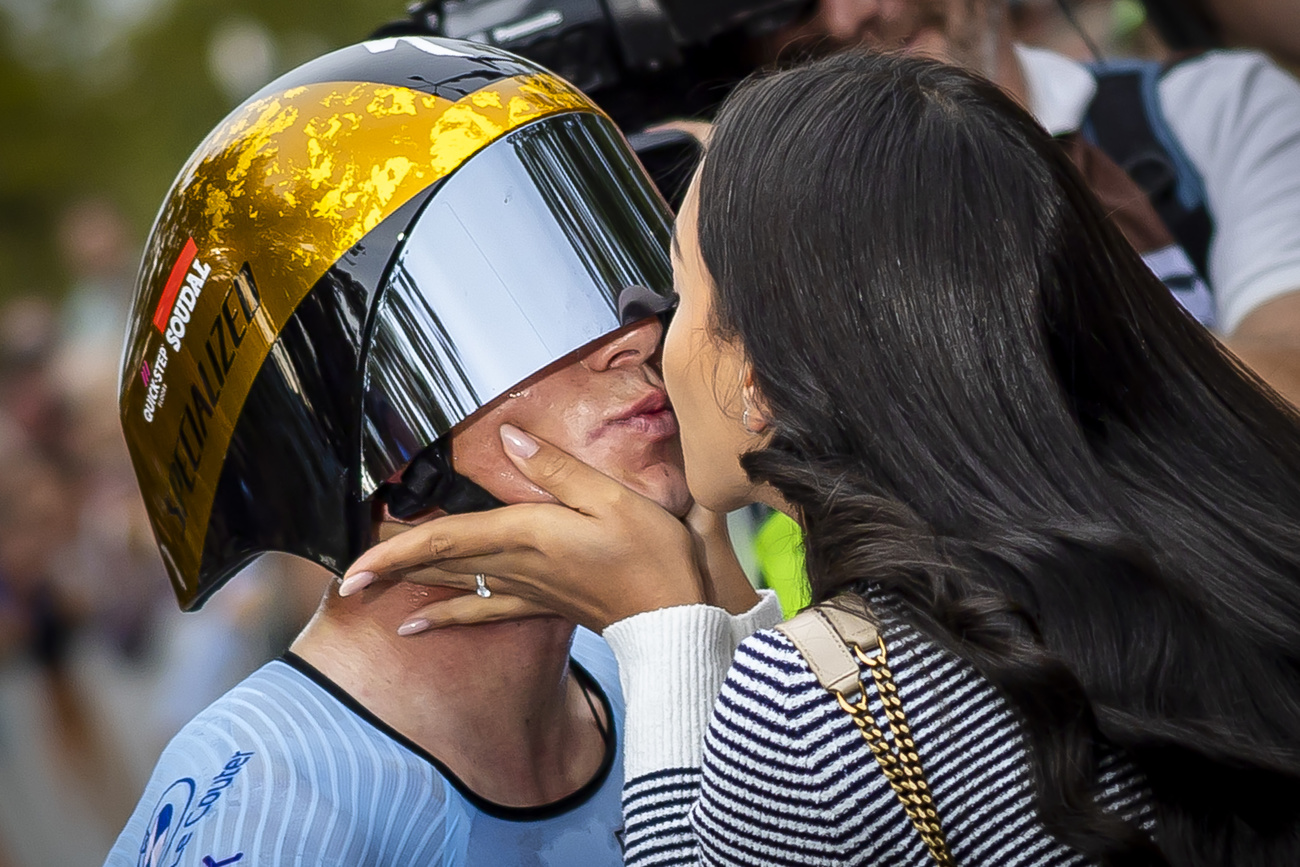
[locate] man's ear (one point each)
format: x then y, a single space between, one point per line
756 417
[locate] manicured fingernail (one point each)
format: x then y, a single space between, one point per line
411 627
354 583
517 442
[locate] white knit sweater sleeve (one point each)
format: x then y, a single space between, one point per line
672 664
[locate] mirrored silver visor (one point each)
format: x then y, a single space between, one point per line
546 240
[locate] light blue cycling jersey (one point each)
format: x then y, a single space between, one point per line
286 769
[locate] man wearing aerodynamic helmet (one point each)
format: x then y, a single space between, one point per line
359 276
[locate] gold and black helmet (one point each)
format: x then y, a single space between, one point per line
356 259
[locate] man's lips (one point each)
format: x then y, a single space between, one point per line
651 416
655 401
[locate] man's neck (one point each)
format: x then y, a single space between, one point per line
497 704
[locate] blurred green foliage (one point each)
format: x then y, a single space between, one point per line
105 99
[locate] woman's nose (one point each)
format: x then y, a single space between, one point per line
630 346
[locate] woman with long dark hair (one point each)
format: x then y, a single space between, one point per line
906 322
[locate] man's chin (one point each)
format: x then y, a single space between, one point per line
682 506
676 502
671 494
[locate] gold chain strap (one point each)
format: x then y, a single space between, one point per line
902 768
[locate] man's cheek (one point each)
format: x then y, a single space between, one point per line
482 460
601 454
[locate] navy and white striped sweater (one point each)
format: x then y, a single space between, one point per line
786 778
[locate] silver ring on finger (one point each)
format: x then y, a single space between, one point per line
481 588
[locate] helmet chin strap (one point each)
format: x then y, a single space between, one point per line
430 482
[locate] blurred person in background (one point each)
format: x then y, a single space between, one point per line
359 276
38 507
1231 133
1267 25
1088 29
1271 25
44 481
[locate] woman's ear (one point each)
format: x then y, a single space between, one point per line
756 417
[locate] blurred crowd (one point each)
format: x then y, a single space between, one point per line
97 666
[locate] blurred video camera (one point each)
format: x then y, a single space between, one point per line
642 61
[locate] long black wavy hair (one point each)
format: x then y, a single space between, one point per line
985 403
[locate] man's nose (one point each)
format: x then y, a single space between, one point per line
632 346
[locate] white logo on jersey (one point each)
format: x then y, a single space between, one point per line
161 832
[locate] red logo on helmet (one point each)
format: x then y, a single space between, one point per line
168 299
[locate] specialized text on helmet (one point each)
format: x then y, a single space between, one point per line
212 364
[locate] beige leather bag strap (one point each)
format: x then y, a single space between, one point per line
837 638
824 633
